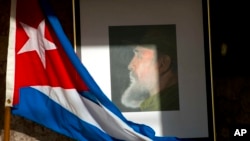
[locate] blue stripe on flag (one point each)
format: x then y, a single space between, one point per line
36 106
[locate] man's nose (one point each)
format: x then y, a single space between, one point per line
131 65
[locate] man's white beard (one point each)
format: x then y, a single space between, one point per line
135 94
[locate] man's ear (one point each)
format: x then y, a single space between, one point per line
164 63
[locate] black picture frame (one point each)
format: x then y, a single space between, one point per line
92 29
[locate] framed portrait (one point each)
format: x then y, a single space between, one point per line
151 58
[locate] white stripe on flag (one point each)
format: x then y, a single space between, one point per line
92 113
70 100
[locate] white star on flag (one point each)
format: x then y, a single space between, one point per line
37 41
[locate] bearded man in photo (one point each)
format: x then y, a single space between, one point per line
153 73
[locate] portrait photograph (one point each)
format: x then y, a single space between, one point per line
143 65
150 60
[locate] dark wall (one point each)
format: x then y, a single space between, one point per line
230 54
4 16
230 27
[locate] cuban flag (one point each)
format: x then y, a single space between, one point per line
48 84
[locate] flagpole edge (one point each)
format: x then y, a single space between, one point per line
7 116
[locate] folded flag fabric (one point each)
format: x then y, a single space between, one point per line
48 84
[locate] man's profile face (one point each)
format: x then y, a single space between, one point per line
144 67
143 77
